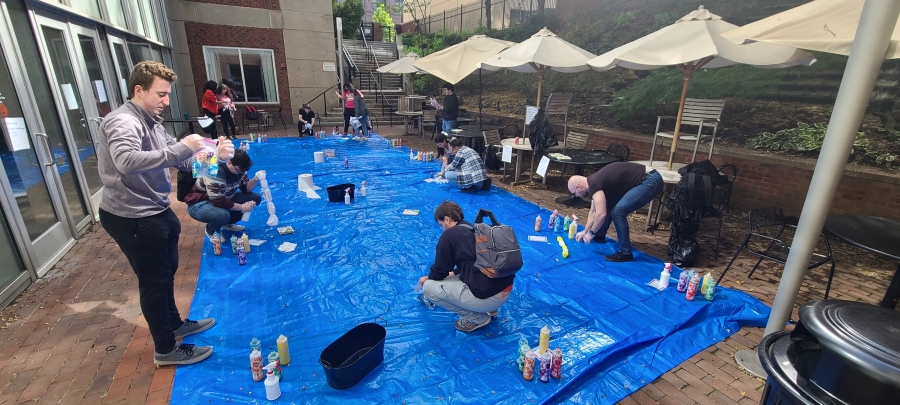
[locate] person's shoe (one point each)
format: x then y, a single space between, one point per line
470 189
486 185
492 313
619 257
183 354
466 326
191 327
233 227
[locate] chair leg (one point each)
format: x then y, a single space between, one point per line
718 237
653 146
754 267
283 125
830 276
743 245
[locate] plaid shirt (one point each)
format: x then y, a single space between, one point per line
468 166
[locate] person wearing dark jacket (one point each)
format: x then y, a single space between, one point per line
220 201
454 283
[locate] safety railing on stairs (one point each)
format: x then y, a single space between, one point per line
324 103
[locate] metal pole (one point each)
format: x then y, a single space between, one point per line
480 90
876 24
340 50
503 25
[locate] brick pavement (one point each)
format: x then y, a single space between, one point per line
77 336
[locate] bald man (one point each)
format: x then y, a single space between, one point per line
616 190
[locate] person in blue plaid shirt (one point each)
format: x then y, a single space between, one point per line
467 168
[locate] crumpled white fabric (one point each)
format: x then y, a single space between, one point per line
287 247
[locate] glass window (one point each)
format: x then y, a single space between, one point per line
150 17
116 12
124 68
138 21
139 52
89 7
250 72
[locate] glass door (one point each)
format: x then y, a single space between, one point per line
120 61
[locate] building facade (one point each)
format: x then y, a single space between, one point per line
65 65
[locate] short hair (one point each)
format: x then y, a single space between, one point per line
304 106
210 85
145 71
456 142
448 86
448 209
241 160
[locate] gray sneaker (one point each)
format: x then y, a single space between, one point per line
191 327
233 227
493 313
466 326
183 354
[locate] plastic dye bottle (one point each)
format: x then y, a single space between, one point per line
552 223
234 244
706 279
683 280
347 196
573 228
523 349
274 358
544 344
528 368
710 292
217 244
362 189
283 352
256 367
692 287
537 223
246 240
556 364
241 254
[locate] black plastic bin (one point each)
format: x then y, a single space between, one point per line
336 193
349 358
841 352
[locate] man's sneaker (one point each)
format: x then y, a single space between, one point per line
493 313
183 354
486 185
470 189
466 326
191 327
233 227
619 257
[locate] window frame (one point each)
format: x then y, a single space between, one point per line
243 78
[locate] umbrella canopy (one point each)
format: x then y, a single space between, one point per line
458 61
542 52
402 65
820 25
694 42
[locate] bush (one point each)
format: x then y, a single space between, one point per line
804 138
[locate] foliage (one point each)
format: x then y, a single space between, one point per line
382 17
351 13
417 9
804 138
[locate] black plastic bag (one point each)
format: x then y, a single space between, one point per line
491 161
683 246
541 135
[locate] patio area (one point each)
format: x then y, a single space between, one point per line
77 335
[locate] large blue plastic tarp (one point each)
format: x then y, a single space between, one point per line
359 263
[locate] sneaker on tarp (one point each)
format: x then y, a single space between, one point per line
467 326
619 257
191 327
470 189
233 227
183 354
493 313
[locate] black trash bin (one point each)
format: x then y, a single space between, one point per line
353 355
841 352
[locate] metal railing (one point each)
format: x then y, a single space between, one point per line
324 102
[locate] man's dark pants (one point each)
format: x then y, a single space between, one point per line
151 246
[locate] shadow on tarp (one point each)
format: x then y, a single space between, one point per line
359 263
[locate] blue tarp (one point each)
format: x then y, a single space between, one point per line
359 263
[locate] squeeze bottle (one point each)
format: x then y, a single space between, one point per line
537 223
246 240
273 389
573 227
544 343
283 353
362 190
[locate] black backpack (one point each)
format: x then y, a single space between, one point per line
251 113
694 190
184 185
497 252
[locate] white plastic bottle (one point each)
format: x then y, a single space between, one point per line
273 389
347 197
663 279
362 190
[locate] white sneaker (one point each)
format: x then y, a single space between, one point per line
233 227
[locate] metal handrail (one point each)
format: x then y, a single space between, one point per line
324 102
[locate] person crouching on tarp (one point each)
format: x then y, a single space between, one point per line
221 201
466 169
454 283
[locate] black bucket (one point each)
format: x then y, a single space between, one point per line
336 193
349 358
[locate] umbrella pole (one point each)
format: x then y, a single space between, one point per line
480 90
540 81
684 89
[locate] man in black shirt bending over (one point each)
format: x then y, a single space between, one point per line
616 190
450 108
307 120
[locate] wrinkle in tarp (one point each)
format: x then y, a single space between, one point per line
359 263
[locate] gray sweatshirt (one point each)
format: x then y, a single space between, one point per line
134 154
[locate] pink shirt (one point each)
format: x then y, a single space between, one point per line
348 99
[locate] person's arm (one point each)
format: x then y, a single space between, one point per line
360 94
456 163
123 136
251 183
595 217
340 96
443 259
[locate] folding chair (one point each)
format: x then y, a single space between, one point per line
697 112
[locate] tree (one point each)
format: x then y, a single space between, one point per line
417 9
487 13
351 13
382 17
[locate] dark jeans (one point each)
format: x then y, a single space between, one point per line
151 246
227 117
215 217
617 209
211 129
348 112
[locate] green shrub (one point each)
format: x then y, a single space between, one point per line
804 138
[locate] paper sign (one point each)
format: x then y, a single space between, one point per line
534 238
328 66
530 112
542 167
101 91
69 95
18 134
507 154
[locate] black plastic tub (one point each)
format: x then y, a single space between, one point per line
336 193
352 356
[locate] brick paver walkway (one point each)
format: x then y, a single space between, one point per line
77 336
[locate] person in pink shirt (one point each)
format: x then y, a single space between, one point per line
349 97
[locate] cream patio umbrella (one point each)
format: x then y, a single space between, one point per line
458 61
543 52
402 65
694 42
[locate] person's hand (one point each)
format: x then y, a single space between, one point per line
421 282
193 141
438 175
260 175
248 206
579 235
225 149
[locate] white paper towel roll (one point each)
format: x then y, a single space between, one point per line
305 181
319 156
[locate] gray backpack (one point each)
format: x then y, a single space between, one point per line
497 252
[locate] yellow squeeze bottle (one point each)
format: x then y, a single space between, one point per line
544 344
246 240
283 353
573 227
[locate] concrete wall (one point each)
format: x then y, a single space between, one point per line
300 32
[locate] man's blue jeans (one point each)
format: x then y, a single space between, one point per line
617 210
447 125
214 217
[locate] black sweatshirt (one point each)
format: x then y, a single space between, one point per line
455 252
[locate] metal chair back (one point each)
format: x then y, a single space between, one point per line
576 140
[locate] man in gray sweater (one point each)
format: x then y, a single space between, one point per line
135 154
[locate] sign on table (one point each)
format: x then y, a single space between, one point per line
530 112
507 154
542 167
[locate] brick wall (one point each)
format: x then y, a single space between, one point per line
264 4
200 34
762 180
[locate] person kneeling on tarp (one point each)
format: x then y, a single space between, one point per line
454 283
220 201
466 169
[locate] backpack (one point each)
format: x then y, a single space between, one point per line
497 252
184 185
251 113
694 190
